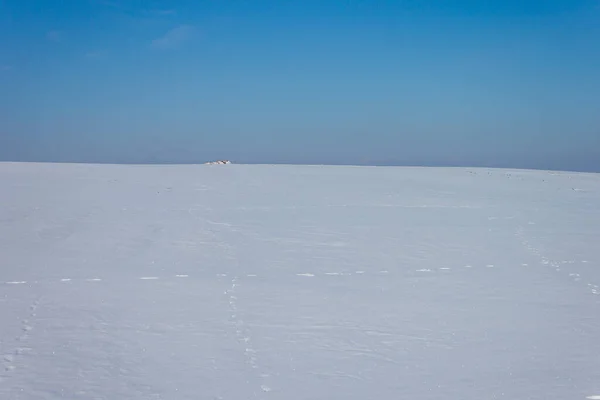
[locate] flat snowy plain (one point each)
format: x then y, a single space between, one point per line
289 282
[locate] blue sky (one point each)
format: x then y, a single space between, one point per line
442 82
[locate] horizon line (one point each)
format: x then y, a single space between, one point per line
174 164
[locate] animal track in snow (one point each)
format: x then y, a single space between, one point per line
243 334
576 277
10 358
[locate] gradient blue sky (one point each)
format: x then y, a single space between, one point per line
443 82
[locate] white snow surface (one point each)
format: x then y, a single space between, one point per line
298 282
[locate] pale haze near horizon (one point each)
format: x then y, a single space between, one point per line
458 83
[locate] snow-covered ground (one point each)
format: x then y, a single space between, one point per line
287 282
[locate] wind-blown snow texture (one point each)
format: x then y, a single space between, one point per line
275 282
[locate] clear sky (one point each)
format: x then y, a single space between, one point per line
511 83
